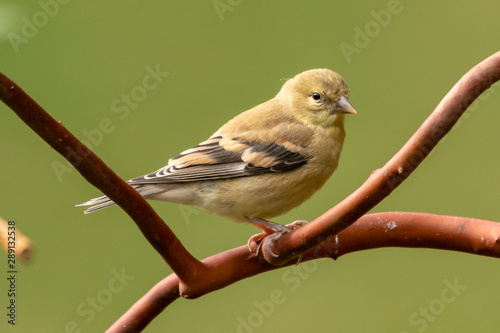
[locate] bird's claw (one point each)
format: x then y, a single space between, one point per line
255 242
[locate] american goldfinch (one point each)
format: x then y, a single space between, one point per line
263 162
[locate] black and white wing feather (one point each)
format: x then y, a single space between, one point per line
216 158
219 158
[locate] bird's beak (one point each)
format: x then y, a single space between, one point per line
343 106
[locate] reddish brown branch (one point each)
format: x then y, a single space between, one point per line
384 180
93 169
369 232
419 230
149 306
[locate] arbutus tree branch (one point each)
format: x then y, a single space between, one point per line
96 172
193 278
371 231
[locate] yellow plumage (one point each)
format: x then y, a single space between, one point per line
263 162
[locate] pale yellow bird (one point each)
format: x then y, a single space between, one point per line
263 162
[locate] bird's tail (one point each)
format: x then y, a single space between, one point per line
100 203
103 201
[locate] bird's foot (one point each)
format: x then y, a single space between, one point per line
269 228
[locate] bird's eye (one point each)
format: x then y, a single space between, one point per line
316 96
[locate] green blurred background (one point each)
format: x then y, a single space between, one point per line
224 57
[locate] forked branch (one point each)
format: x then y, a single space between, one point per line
346 221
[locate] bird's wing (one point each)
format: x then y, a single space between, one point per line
223 157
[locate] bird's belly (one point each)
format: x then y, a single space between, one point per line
261 196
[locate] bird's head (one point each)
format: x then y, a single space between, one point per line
318 97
